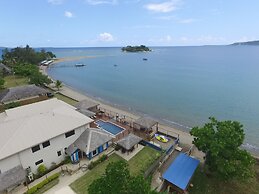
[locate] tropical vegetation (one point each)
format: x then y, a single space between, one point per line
221 141
140 48
117 179
24 62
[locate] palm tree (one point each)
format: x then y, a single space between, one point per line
58 84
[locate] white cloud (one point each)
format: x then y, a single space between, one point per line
56 2
164 7
106 37
98 2
208 39
187 21
68 14
168 17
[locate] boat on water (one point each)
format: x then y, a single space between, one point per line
80 65
144 59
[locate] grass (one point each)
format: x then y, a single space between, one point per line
65 99
81 185
210 185
13 80
142 160
137 165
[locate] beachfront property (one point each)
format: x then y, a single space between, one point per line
23 94
36 134
146 126
90 143
88 107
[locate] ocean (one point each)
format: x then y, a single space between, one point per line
181 86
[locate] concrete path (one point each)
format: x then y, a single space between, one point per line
65 190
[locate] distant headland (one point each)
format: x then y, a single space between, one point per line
140 48
248 43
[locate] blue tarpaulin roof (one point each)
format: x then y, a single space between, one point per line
181 170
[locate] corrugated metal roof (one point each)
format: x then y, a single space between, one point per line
26 126
181 171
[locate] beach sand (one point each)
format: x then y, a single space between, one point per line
185 137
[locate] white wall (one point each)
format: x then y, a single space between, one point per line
49 154
9 163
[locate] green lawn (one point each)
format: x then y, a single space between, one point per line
65 99
138 164
12 81
142 160
209 185
80 186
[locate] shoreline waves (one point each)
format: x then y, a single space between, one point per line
165 124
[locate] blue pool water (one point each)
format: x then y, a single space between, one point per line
110 127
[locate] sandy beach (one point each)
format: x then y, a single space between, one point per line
185 137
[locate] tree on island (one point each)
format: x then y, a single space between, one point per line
140 48
117 180
58 84
221 141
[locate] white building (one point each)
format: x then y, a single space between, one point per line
38 133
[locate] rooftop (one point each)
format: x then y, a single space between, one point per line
129 141
181 171
86 104
89 140
21 92
145 122
26 126
12 177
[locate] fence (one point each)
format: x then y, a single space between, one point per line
146 143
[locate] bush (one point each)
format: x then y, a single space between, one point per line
42 169
12 105
95 163
42 184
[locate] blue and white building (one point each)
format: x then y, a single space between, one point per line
91 143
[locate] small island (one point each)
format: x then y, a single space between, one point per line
140 48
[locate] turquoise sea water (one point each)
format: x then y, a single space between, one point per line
179 85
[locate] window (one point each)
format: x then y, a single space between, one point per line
65 149
38 162
45 144
59 153
70 133
95 153
35 148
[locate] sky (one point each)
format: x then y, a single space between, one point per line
101 23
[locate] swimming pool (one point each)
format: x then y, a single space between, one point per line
109 127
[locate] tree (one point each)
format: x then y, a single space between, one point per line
39 79
42 169
221 141
58 84
22 55
117 180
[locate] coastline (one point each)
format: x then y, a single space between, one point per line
73 93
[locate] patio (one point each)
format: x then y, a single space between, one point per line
129 155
